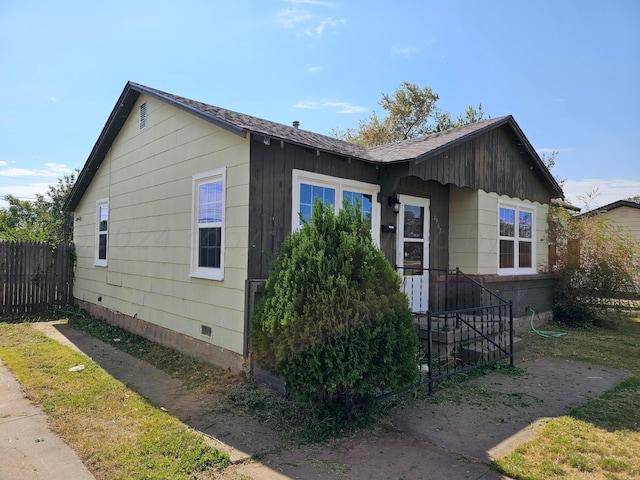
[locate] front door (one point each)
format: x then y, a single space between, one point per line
412 250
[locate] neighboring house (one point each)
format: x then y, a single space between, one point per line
624 213
181 206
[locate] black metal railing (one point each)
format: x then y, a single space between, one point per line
461 324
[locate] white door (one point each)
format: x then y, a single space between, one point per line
412 251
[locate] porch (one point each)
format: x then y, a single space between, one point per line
461 324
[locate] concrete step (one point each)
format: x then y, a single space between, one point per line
485 351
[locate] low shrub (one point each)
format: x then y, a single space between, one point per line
333 319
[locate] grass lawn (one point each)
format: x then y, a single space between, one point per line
601 439
116 432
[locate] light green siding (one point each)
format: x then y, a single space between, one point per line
463 229
626 217
147 177
473 231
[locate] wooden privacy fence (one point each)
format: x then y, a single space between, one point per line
35 276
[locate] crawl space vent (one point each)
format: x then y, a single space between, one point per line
205 330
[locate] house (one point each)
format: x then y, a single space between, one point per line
625 214
181 206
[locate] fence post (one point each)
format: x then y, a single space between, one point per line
33 278
511 333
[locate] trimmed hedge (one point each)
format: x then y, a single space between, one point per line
332 319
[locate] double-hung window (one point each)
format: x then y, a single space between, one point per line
516 240
102 232
207 248
308 186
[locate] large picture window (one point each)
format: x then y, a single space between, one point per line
102 232
516 249
308 186
207 249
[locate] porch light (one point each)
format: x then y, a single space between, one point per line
395 203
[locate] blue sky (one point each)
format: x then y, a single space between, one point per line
568 71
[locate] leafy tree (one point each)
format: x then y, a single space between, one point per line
597 264
410 107
549 161
333 320
635 199
470 115
412 112
41 220
370 133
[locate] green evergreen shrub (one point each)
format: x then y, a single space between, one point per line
333 319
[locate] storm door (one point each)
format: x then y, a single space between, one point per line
412 251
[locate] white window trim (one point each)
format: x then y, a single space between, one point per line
207 272
340 185
518 207
101 262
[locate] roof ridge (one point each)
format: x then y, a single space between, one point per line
254 124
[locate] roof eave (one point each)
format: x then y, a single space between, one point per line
233 128
458 141
520 134
536 158
109 132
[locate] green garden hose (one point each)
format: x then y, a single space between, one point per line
543 333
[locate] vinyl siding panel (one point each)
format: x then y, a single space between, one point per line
487 233
463 229
542 239
147 176
627 217
474 231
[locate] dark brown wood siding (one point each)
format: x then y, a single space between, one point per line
270 193
493 162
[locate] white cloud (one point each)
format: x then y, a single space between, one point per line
344 107
23 192
52 170
307 22
58 168
551 150
314 69
327 22
312 2
290 17
340 107
403 50
607 191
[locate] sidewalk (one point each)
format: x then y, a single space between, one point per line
451 440
28 448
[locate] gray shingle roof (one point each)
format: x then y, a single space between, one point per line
248 123
415 149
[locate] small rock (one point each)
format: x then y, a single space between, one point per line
77 368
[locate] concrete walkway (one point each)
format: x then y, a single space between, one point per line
28 448
452 440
